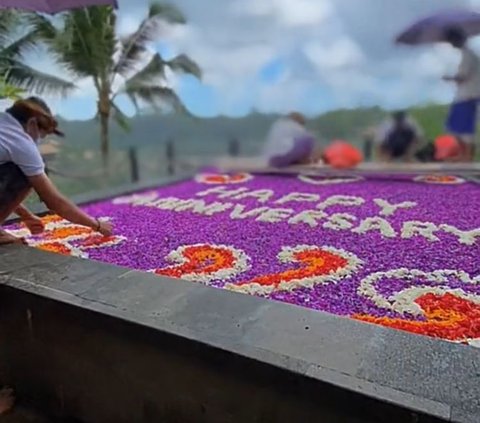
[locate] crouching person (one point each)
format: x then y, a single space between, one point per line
22 170
289 142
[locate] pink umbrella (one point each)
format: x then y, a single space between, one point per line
52 6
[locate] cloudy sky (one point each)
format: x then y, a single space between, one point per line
281 55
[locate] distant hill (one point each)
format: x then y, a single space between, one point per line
195 134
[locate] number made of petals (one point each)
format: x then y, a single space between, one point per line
62 237
447 316
430 307
205 263
313 266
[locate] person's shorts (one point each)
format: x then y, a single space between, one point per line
462 119
13 183
301 151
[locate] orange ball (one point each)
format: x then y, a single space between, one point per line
342 155
447 147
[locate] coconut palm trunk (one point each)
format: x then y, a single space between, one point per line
104 112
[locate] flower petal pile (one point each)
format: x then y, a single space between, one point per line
403 253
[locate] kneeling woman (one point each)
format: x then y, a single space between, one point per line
289 142
22 169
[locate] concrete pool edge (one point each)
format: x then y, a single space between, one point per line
425 375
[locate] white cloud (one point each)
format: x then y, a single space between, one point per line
291 13
341 53
341 48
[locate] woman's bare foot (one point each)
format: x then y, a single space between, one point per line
6 238
6 400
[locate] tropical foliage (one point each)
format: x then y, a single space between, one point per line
85 42
15 74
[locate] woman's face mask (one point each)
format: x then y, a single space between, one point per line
33 130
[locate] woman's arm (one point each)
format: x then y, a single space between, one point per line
56 202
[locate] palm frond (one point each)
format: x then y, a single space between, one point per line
84 42
42 27
183 63
29 79
8 21
167 12
159 98
119 117
150 74
17 48
8 91
135 45
88 41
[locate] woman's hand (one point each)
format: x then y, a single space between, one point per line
105 228
34 224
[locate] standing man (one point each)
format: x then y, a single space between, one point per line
22 169
462 119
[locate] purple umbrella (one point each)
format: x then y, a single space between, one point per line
432 28
52 6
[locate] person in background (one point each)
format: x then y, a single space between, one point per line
342 155
398 138
22 169
289 142
462 118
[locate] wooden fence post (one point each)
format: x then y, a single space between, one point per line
368 149
132 154
170 154
234 147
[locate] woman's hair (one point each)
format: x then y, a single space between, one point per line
399 116
34 107
298 117
455 36
24 110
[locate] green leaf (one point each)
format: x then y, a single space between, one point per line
9 20
150 74
9 91
30 79
83 41
183 63
167 12
120 118
135 45
158 97
41 26
17 48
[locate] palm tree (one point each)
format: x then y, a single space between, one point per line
15 75
87 45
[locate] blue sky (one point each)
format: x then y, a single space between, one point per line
283 55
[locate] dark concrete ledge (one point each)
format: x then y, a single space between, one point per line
86 337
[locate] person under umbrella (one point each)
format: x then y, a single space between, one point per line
455 27
462 119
